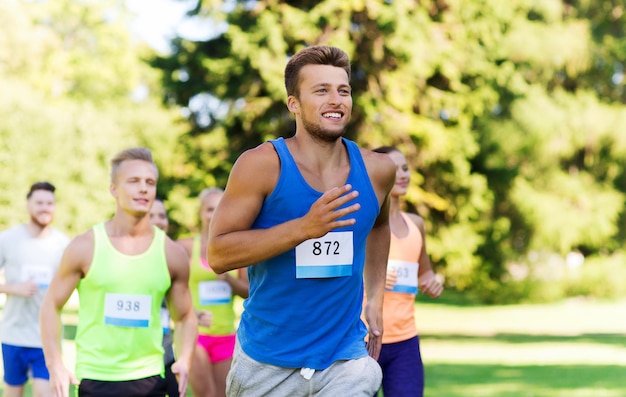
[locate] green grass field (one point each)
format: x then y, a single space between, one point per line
569 349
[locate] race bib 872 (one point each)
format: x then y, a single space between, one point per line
328 256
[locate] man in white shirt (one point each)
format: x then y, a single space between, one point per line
29 255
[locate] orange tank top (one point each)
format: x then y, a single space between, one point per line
398 308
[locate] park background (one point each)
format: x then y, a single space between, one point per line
511 114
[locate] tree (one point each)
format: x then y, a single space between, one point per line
508 122
68 72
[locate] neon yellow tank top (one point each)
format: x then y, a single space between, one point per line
119 326
210 293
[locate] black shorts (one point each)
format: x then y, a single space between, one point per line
154 386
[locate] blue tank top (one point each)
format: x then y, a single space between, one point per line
311 317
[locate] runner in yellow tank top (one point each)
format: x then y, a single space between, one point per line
212 297
122 269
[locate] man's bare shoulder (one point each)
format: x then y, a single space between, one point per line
186 243
262 156
175 252
82 242
380 168
79 253
381 159
256 170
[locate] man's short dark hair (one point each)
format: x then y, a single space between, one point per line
314 55
40 186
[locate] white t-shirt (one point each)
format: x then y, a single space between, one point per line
24 257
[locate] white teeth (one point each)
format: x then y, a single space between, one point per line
332 115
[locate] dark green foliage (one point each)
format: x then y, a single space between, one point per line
507 112
510 114
67 74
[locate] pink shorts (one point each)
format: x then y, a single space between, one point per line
219 348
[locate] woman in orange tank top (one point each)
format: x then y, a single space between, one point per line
408 269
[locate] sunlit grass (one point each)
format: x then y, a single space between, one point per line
482 380
570 349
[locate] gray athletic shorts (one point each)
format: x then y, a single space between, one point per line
250 378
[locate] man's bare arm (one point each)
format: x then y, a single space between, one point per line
181 310
71 269
382 175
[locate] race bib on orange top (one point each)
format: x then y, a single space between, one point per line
407 276
215 292
328 256
125 310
